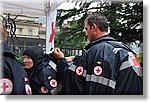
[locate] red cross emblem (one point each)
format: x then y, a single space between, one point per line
136 62
44 90
97 70
28 89
53 83
6 86
79 70
133 60
52 35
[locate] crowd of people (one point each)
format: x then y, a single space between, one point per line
107 67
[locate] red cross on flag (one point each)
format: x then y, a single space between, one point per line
6 86
50 31
51 21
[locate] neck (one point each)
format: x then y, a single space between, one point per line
101 34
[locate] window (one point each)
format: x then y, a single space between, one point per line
30 31
20 30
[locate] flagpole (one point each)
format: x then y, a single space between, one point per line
47 9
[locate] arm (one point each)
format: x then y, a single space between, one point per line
130 79
50 81
70 80
70 58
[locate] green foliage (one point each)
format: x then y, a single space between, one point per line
125 19
140 58
19 57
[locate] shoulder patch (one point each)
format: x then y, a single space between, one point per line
79 70
53 83
98 70
44 90
28 89
6 86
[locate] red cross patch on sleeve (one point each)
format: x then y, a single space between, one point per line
53 83
44 90
97 70
135 61
28 89
6 86
79 70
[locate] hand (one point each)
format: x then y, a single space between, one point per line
70 58
58 54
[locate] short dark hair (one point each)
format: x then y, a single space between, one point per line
100 20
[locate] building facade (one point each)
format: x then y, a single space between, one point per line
29 32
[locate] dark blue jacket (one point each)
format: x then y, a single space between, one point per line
107 67
14 79
43 74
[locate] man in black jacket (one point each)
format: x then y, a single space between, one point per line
14 79
107 66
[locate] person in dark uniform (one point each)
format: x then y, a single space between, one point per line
108 67
14 79
42 72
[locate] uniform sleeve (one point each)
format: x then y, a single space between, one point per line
15 77
90 74
130 77
72 76
99 72
51 83
113 71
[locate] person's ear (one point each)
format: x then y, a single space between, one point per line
94 27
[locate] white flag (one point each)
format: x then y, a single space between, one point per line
51 21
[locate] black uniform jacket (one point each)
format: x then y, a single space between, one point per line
14 79
106 67
43 74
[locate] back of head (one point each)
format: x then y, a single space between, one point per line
35 53
3 33
100 20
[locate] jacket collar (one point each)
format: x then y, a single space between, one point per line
99 40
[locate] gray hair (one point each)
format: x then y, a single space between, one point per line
100 20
